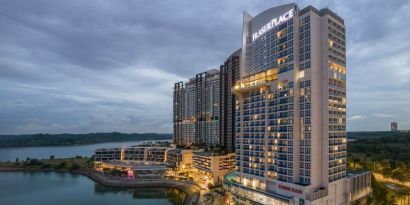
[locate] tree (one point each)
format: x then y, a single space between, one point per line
17 159
399 174
32 162
369 200
62 165
74 166
355 161
379 191
403 195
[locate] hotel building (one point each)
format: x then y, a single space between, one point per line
211 167
196 110
291 110
229 74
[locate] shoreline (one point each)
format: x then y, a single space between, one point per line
192 192
84 144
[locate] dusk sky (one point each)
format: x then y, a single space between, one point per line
100 66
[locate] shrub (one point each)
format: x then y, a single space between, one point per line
62 165
74 166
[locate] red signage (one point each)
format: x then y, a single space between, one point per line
286 188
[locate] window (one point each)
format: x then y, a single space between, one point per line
290 43
307 65
301 74
290 67
290 29
290 58
306 19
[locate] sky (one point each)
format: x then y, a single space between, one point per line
102 66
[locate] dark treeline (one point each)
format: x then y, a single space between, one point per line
386 146
374 134
75 139
386 154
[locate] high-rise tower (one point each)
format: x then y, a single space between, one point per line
196 110
229 74
291 109
394 126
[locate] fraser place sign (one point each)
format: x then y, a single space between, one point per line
273 23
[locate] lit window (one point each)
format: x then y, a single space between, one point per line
302 74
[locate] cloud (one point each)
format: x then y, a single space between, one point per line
90 66
383 115
357 117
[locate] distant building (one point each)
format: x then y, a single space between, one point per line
196 110
184 113
229 73
147 154
394 127
204 107
106 154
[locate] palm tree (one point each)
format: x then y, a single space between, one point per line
403 195
399 195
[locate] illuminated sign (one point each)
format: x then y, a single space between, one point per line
286 188
130 173
273 23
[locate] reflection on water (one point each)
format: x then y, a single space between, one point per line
51 188
175 196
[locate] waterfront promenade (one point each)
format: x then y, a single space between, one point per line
191 190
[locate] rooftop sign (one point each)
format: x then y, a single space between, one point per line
273 23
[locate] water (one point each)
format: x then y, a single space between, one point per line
10 154
51 188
